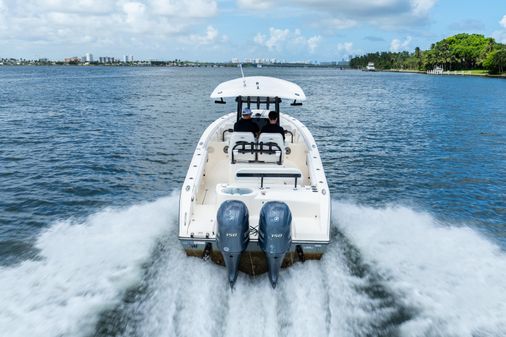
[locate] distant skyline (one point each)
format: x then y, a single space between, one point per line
213 30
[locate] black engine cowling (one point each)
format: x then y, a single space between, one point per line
233 235
275 236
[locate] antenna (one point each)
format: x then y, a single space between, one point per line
242 73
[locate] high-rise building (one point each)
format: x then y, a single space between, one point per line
89 57
125 58
73 59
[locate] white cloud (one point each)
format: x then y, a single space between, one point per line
345 47
99 23
422 7
342 14
255 4
275 40
397 45
357 6
201 8
185 8
176 8
500 36
298 38
136 16
259 39
503 21
3 13
340 23
313 43
371 8
210 37
75 6
280 39
3 16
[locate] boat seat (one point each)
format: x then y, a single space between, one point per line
241 147
274 145
225 134
266 176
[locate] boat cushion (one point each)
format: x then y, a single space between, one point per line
264 141
241 146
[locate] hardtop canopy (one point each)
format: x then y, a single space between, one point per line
259 86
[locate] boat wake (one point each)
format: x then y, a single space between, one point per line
452 275
389 271
82 269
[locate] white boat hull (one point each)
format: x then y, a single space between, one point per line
255 204
212 175
253 261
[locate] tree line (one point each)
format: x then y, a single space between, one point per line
458 52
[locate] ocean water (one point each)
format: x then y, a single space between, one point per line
91 160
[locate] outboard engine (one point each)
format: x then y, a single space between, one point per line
233 235
275 236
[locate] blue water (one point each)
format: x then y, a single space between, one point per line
89 158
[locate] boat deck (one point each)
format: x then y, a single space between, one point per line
268 191
221 179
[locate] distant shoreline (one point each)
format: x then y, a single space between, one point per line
446 73
163 64
281 65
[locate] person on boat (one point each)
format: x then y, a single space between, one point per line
246 124
272 126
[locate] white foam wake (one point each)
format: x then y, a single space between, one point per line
454 277
84 269
451 277
188 297
191 298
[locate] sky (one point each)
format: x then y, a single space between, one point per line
221 30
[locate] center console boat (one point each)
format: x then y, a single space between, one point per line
255 204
